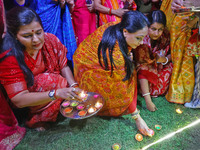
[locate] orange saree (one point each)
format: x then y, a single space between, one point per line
120 96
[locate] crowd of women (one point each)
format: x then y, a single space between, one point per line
52 50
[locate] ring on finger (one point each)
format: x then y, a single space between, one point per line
73 89
72 97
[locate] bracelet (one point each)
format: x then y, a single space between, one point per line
135 115
145 94
110 12
166 61
73 84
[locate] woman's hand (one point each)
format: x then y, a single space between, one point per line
161 57
142 126
91 7
119 12
176 4
69 93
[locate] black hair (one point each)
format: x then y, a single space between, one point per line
15 18
132 21
157 16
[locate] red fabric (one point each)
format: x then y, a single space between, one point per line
46 70
10 133
158 75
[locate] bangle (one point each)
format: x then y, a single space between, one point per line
110 12
166 61
145 94
73 84
135 115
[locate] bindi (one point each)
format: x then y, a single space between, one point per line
32 30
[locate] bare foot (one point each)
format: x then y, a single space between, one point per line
151 106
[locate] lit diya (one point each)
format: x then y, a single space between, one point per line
82 113
80 107
139 137
68 110
179 111
65 104
116 146
83 95
98 105
91 110
158 127
74 104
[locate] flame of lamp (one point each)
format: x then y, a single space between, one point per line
178 111
139 137
98 105
91 110
82 94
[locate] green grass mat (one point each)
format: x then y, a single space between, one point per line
100 133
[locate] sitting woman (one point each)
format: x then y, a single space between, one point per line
153 59
33 68
102 64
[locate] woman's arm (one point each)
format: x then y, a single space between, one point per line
102 9
27 99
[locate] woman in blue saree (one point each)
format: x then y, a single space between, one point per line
56 19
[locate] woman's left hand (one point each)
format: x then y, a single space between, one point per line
91 6
142 126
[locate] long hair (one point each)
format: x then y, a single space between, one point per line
132 21
15 18
157 16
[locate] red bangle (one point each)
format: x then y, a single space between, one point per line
110 12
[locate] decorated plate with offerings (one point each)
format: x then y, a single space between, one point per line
75 109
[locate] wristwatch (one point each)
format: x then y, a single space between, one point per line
52 94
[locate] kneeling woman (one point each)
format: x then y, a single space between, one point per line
102 64
33 67
153 59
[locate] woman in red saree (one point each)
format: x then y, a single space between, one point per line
102 65
33 70
10 133
153 59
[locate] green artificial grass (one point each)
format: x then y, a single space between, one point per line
100 133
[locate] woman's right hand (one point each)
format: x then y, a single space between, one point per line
119 12
69 93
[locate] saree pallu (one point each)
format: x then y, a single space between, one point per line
56 22
182 79
158 75
84 21
120 96
113 4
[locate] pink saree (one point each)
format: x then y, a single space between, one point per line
84 21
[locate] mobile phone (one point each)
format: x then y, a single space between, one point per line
88 1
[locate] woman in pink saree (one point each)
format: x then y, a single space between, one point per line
84 19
